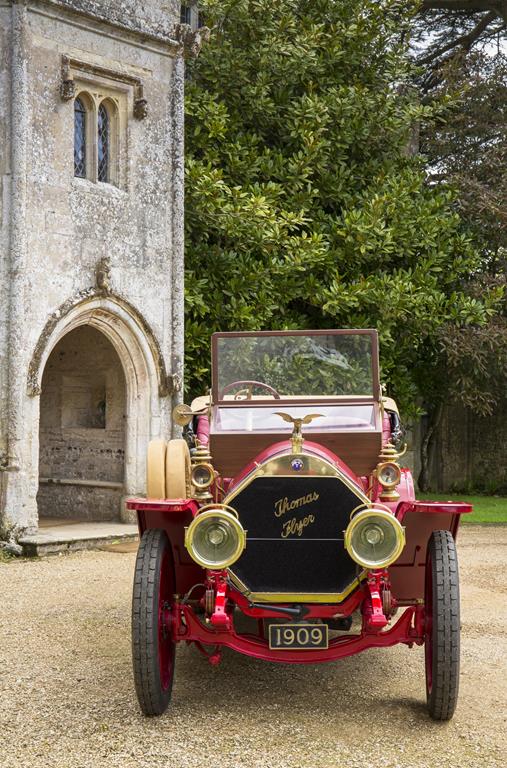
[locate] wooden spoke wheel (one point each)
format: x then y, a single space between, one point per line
155 469
442 626
177 470
153 644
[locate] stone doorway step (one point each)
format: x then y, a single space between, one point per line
56 535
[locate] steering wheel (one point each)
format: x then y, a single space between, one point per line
248 391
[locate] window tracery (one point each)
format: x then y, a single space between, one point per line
103 143
98 131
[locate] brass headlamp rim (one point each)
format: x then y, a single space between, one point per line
217 506
371 506
232 520
375 513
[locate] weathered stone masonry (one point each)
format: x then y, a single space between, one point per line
80 257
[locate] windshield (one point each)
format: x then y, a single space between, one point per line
290 365
332 418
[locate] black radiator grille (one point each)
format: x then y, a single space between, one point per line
295 535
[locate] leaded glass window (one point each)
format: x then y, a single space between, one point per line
79 139
103 143
185 14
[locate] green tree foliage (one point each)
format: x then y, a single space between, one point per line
303 206
468 149
447 33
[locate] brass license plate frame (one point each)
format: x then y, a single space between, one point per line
301 636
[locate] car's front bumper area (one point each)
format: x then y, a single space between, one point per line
219 628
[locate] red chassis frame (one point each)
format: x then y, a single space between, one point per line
404 581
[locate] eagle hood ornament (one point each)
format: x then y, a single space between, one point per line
297 434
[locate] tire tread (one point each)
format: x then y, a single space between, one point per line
152 699
443 697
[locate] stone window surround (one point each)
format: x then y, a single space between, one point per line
190 14
122 94
84 70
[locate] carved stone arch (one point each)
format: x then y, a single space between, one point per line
74 312
141 359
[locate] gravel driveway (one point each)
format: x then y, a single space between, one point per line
67 695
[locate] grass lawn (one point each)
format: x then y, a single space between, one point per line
487 509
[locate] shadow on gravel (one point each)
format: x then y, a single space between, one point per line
410 704
352 686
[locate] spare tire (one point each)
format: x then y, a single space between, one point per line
155 469
177 470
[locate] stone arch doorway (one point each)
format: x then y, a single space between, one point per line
82 429
147 408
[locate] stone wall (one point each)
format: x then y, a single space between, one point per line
5 102
75 250
73 223
79 502
149 16
471 451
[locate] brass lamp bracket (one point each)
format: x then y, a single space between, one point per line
183 414
388 459
202 457
388 453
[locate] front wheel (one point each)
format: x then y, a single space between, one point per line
442 626
153 645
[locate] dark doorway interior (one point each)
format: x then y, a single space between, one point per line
82 429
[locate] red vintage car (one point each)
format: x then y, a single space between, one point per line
283 526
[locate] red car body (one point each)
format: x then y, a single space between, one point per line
295 575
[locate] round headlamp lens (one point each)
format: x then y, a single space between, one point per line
374 539
202 475
373 535
216 535
389 475
215 539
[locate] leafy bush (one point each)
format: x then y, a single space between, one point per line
303 206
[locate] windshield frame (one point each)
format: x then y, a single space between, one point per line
373 398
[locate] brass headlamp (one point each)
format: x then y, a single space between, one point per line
202 474
374 538
215 538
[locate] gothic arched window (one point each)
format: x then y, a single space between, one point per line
103 143
99 129
185 14
79 139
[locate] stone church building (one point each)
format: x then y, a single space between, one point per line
91 250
